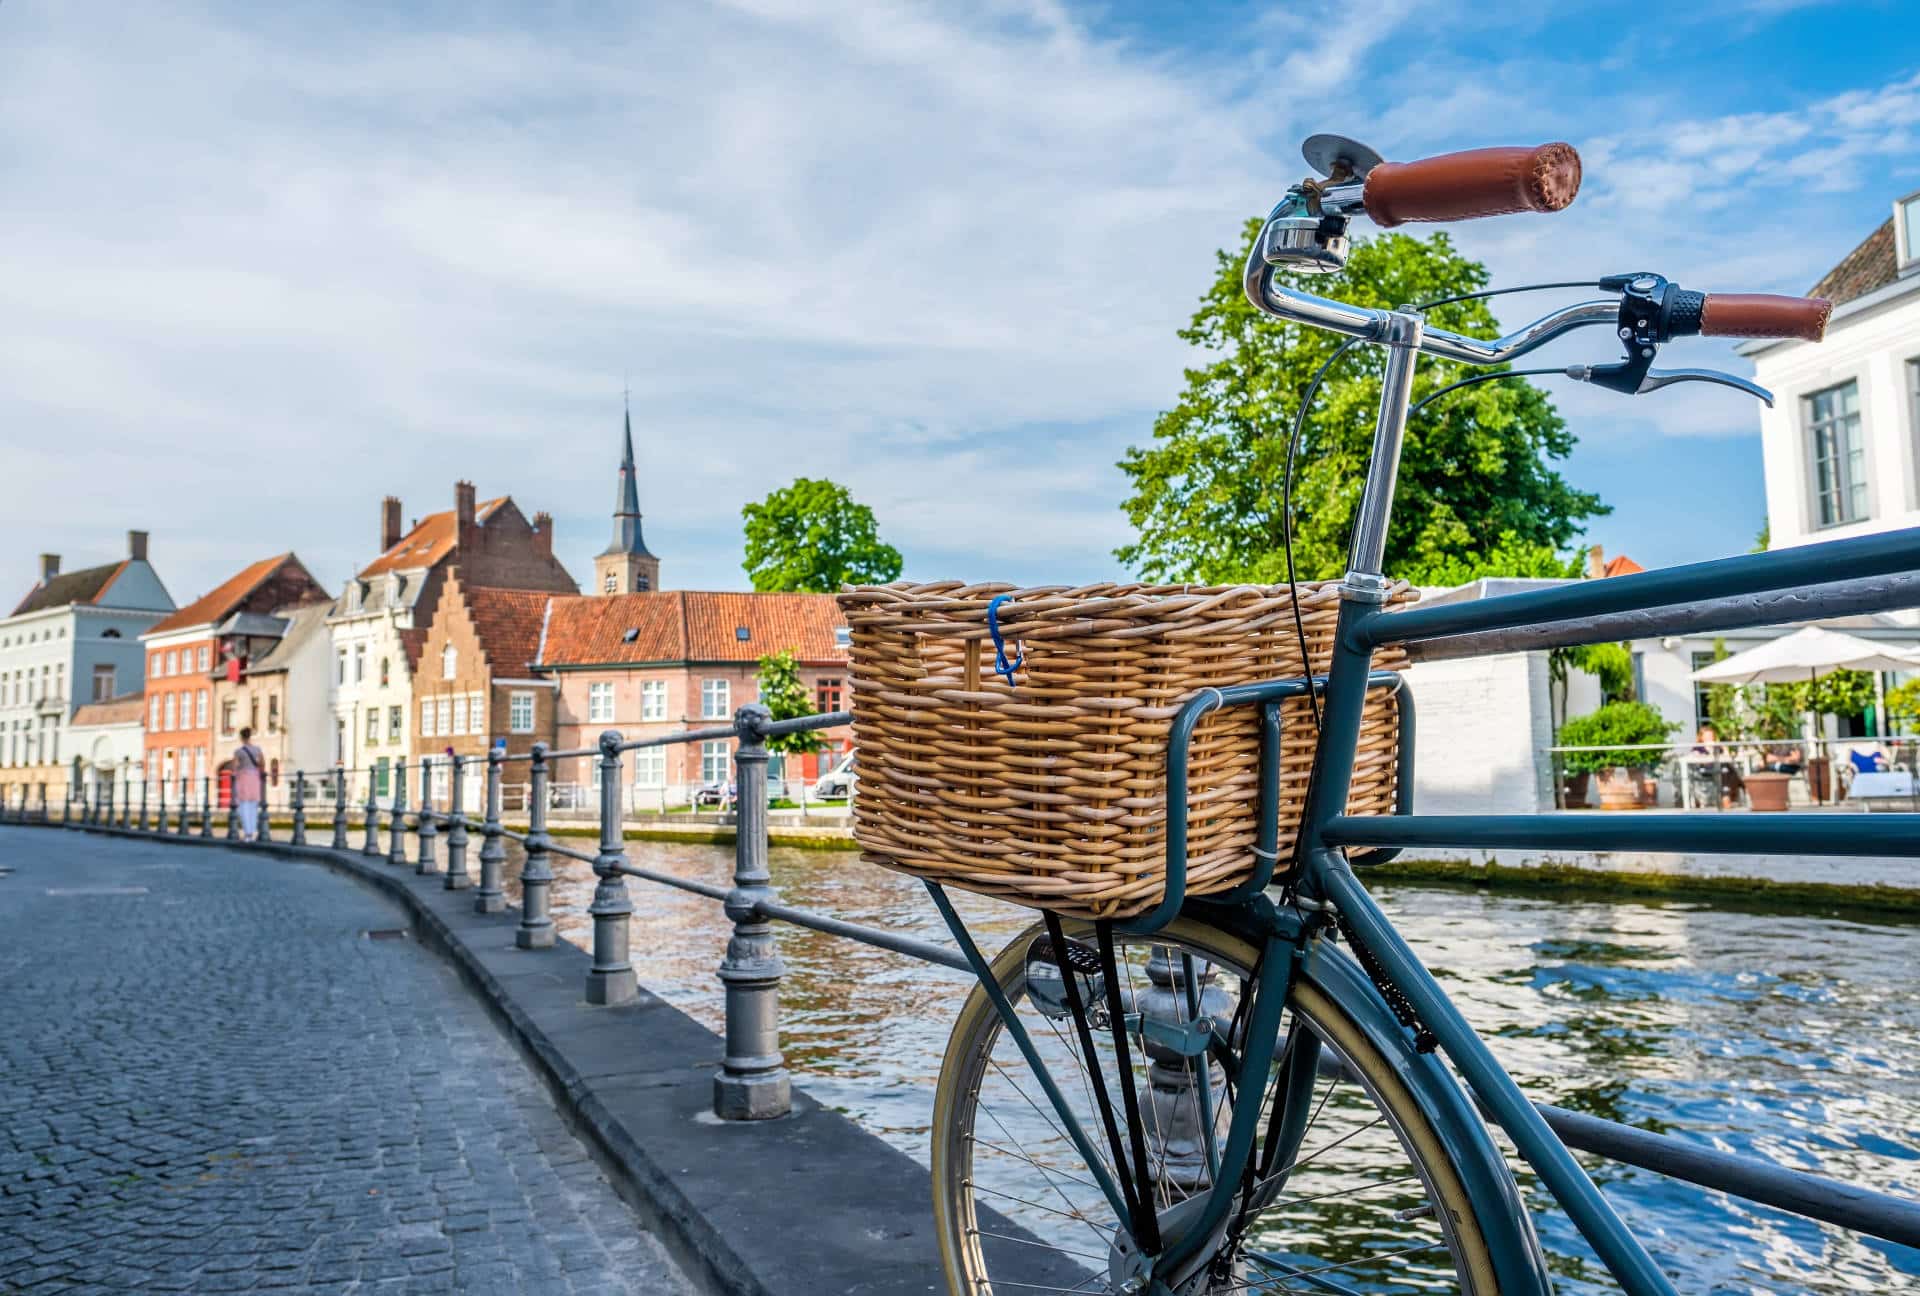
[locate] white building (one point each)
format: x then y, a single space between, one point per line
106 740
74 638
1842 441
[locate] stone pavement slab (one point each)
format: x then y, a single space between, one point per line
215 1080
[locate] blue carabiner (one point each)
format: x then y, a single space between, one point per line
1001 666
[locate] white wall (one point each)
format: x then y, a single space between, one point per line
1483 723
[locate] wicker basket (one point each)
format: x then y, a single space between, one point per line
1052 792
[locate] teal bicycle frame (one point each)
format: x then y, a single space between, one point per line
1845 576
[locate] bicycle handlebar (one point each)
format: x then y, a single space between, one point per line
1764 315
1477 182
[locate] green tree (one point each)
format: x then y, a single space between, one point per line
1474 473
813 536
1903 704
782 693
1509 556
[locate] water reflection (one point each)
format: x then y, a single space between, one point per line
1790 1038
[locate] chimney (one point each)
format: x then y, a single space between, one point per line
463 514
389 522
543 534
49 567
137 545
1596 563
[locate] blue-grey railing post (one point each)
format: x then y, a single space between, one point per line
457 878
493 847
103 805
610 980
339 842
752 1083
424 829
397 833
126 795
145 822
371 847
160 819
233 808
206 807
265 834
536 875
299 837
181 826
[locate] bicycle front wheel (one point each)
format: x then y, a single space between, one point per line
1364 1197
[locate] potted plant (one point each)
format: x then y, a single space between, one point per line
1622 750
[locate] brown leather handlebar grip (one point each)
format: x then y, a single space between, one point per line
1764 315
1478 182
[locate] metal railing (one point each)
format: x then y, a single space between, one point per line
752 1082
1710 775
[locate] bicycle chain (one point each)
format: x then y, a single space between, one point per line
1424 1040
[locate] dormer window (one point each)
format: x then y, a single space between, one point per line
1906 233
631 634
742 633
449 662
842 637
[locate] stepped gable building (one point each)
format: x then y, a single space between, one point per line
626 566
379 625
186 653
653 663
73 639
476 687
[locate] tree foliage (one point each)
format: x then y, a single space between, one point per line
814 536
1475 480
1903 703
783 693
1623 726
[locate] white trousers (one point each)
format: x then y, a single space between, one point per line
249 818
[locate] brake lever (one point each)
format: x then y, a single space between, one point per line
1617 377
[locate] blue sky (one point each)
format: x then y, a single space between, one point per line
265 264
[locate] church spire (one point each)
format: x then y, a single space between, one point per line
626 565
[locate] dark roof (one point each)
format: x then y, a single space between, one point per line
1867 267
71 587
691 625
626 505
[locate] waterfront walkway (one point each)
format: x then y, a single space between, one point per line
216 1080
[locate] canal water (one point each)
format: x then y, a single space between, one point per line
1791 1038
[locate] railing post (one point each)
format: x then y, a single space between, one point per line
457 879
752 1083
397 832
424 829
371 848
536 875
181 826
206 807
610 980
493 847
233 808
126 797
266 813
145 782
339 808
299 837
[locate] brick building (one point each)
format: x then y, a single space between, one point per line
378 627
279 692
185 654
649 664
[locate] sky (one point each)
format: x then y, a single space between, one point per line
261 265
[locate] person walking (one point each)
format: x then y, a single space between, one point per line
249 779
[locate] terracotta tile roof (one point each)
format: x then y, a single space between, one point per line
221 601
691 625
430 540
1867 267
85 586
508 625
1621 565
128 708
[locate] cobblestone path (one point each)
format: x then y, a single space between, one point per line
212 1080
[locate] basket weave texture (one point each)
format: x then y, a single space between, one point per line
1052 792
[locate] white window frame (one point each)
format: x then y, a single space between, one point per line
650 767
205 658
444 716
153 713
1845 433
1905 210
200 709
396 723
449 662
172 712
426 717
715 699
520 713
716 761
653 699
600 702
460 714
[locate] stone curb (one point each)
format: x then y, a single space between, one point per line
805 1204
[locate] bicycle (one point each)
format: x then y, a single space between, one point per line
1245 1092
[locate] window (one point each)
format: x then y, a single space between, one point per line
610 583
153 712
166 765
226 716
173 662
444 717
1700 688
273 713
653 699
449 662
594 767
203 657
1839 455
200 709
650 767
340 741
460 714
171 713
476 713
826 695
842 636
713 699
713 761
102 683
742 633
426 718
1913 407
153 666
396 722
599 702
640 582
359 662
520 713
373 728
383 672
1906 226
108 633
199 758
340 676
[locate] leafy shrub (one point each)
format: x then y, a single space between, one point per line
1616 725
